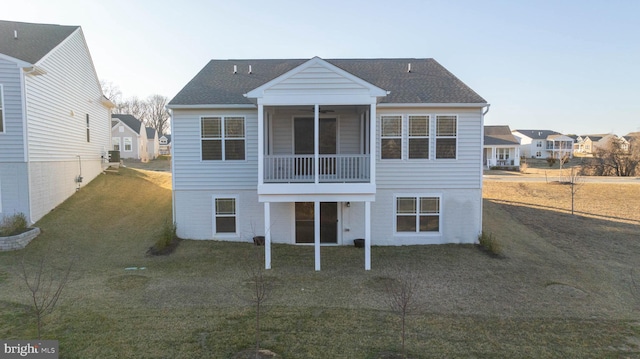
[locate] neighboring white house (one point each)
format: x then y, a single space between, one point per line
501 147
54 118
165 144
544 143
125 137
327 151
153 143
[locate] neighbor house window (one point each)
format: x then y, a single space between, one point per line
115 143
417 214
223 138
538 154
391 137
418 137
538 143
503 153
128 144
88 138
446 136
226 220
1 109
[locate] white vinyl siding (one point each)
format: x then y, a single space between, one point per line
12 139
190 172
1 113
420 174
58 103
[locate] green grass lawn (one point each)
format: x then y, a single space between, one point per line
539 301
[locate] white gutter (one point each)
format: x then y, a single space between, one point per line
211 106
458 104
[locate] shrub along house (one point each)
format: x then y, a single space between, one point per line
54 119
323 152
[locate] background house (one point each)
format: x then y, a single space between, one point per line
125 137
588 144
501 147
327 151
165 144
153 143
54 119
544 143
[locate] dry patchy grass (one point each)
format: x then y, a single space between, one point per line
564 289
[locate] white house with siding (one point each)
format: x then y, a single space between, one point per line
544 143
130 136
54 119
322 152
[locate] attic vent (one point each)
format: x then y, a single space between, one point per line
250 72
15 34
409 68
235 69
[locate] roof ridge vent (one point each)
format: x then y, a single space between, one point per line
409 68
235 69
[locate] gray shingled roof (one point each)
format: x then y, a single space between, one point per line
128 120
538 134
151 132
499 135
428 81
34 40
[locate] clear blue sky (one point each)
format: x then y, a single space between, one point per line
569 66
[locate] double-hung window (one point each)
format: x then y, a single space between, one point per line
446 136
417 214
223 138
391 137
225 221
128 144
1 109
418 137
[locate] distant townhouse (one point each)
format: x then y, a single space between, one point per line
544 143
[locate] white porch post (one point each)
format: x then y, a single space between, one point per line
316 232
260 145
316 145
367 235
267 235
372 144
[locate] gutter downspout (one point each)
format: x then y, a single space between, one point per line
482 165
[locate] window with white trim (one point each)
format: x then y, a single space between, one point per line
88 137
417 214
418 137
115 143
223 138
391 137
225 215
538 143
503 153
127 144
1 109
446 136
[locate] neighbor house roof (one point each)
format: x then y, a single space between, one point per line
168 137
538 134
151 132
128 120
499 135
428 81
31 42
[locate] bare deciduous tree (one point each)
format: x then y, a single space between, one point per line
401 296
575 182
259 287
617 159
157 115
45 283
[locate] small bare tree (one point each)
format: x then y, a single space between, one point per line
45 284
157 114
401 296
260 287
575 182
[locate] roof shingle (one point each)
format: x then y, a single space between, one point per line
33 41
428 81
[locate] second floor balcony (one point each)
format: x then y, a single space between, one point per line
332 168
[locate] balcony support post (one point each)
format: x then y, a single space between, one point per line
316 142
267 235
260 144
316 233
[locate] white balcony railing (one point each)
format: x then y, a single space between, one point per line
332 168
